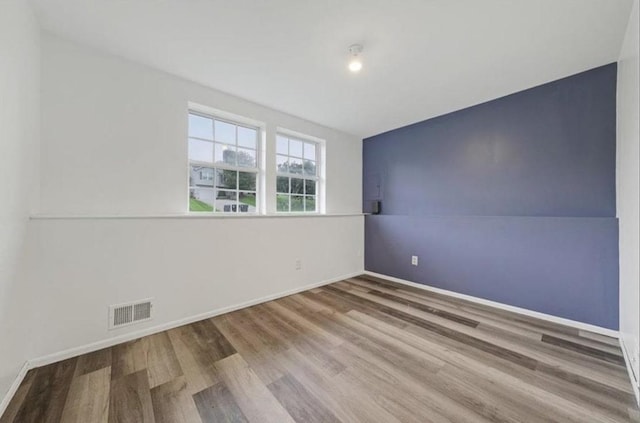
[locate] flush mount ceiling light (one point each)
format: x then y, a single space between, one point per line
355 59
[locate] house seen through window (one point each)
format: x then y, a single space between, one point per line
223 165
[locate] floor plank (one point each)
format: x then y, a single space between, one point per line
129 357
46 398
300 404
216 404
600 338
254 349
584 349
88 398
162 364
172 403
130 399
18 398
338 394
252 396
93 361
196 356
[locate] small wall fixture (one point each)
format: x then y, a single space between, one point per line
355 59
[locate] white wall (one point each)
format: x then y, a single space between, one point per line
190 266
114 143
19 122
628 189
114 138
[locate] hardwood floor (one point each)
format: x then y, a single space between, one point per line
360 350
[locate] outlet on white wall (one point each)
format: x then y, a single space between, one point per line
414 260
298 264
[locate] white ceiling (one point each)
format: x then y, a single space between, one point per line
422 58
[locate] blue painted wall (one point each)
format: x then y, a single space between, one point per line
512 200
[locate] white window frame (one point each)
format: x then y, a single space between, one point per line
237 121
318 178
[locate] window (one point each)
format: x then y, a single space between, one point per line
297 174
223 165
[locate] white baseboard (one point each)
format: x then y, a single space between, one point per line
632 378
501 306
14 388
84 349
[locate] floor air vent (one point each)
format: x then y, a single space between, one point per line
130 313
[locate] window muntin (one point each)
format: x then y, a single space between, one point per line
223 165
297 174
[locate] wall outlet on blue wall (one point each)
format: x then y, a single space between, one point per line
414 260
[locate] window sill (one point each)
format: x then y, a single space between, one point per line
200 215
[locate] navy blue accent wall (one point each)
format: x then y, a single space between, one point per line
512 200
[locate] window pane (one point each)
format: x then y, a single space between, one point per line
310 187
282 145
200 127
310 203
297 203
295 148
282 164
247 181
226 201
246 158
206 174
200 199
200 176
201 151
247 137
309 167
282 184
309 151
295 165
282 202
225 132
225 154
247 202
226 179
297 186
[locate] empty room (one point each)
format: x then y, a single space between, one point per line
319 211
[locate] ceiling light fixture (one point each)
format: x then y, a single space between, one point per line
355 61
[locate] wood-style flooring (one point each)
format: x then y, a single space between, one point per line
360 350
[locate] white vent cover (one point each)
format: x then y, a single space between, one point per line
130 313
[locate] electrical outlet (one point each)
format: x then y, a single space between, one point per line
298 264
414 260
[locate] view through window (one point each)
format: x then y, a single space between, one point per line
297 174
223 165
